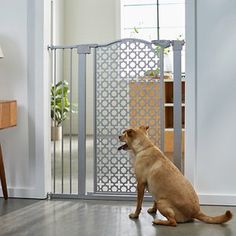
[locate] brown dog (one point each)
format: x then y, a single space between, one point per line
174 196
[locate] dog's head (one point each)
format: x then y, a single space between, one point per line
132 137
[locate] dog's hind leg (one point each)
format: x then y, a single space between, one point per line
153 209
166 210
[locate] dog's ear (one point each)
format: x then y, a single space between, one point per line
144 127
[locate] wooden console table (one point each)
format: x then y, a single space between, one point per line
7 119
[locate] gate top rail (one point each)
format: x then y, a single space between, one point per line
53 47
125 40
162 43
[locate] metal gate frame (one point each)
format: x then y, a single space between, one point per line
83 50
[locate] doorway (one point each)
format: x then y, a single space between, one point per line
94 173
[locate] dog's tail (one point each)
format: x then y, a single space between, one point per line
214 219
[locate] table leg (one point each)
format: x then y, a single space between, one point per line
2 176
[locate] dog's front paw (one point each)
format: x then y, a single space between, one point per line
133 216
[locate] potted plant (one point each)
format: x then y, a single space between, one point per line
60 106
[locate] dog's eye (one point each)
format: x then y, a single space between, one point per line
126 131
130 132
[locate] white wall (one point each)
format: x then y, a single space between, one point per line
211 96
58 34
23 77
90 21
58 21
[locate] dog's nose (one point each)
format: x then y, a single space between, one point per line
119 137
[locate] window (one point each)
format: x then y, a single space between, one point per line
153 19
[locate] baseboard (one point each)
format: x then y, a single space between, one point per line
217 199
24 192
205 199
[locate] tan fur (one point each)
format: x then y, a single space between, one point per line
174 196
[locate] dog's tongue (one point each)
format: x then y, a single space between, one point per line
123 147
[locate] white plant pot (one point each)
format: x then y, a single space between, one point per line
56 133
168 65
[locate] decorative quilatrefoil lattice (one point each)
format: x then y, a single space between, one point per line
125 96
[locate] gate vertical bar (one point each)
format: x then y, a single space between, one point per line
62 127
82 51
70 147
95 120
54 104
162 98
162 44
177 47
82 124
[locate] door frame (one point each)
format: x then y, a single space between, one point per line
191 108
191 92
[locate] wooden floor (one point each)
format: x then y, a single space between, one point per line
96 218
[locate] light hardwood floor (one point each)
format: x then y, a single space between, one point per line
20 217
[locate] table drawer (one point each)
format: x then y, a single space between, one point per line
8 110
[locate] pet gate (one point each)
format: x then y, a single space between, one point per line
128 90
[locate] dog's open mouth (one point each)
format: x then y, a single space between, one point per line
123 147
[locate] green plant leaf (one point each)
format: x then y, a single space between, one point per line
60 104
